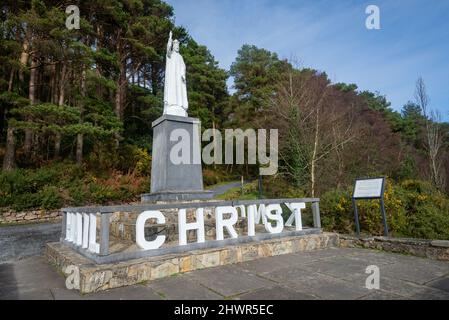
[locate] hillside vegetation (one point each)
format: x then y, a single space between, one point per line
76 108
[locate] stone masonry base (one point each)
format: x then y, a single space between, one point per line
95 278
28 217
432 249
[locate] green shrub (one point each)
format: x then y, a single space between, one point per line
66 184
336 211
24 201
142 165
50 198
414 209
101 194
77 194
278 187
14 182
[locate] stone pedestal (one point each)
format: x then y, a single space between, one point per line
172 181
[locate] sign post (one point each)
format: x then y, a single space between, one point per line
369 189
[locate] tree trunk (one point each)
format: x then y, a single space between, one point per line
120 93
23 58
79 148
54 82
11 80
315 152
9 159
154 80
32 97
58 138
122 79
61 100
215 143
80 136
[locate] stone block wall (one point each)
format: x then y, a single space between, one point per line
26 217
432 249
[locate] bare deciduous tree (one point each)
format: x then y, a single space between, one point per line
308 112
434 135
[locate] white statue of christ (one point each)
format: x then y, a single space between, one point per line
175 90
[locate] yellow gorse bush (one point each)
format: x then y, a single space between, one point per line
414 209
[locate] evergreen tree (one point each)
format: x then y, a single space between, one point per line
256 73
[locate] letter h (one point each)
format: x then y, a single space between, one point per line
183 226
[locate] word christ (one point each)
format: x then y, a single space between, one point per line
270 216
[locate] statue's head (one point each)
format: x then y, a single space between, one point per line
176 45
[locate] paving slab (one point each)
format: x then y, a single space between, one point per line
430 294
316 284
441 284
19 242
382 295
278 262
416 270
138 292
229 280
272 263
29 279
274 294
315 255
327 287
372 257
406 289
182 287
338 267
286 274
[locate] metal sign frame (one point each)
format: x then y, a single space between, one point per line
382 204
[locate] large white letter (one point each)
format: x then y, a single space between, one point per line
276 217
183 226
296 215
140 230
255 216
79 229
85 231
228 223
73 228
252 220
68 227
93 245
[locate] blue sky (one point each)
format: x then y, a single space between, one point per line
331 36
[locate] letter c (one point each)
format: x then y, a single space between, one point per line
140 230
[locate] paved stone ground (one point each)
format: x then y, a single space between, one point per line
335 273
21 241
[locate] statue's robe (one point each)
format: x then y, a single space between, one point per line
175 90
